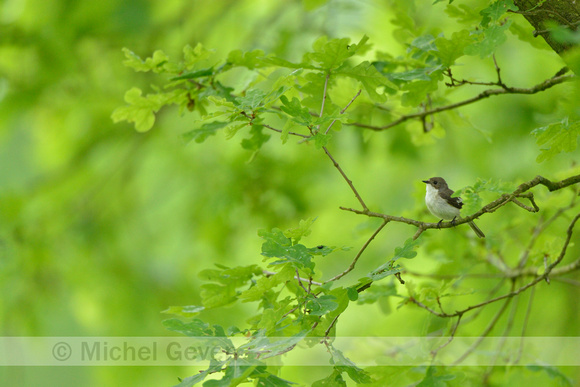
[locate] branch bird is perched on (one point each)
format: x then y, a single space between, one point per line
442 205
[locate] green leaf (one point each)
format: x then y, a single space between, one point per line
288 127
344 364
471 200
277 245
471 194
496 10
215 296
195 74
194 328
335 379
419 74
325 250
184 311
302 230
266 379
332 54
251 101
416 92
214 367
556 138
141 110
193 55
224 292
524 31
371 79
267 347
206 130
321 139
464 13
388 268
493 37
266 283
433 380
294 109
407 251
235 276
258 139
377 293
275 61
250 59
319 306
449 50
352 293
154 63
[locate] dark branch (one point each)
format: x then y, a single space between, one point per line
548 83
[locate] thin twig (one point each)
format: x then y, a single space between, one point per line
330 326
300 282
268 273
356 258
511 294
451 337
498 71
343 110
323 97
525 325
348 181
280 131
485 332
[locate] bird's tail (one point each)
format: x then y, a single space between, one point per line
476 229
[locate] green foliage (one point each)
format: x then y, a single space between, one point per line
306 99
434 380
389 268
557 138
471 195
102 227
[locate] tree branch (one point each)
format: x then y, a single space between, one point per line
535 281
548 83
489 208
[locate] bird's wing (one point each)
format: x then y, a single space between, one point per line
454 201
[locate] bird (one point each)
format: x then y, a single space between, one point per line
439 201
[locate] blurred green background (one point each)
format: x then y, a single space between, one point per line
102 228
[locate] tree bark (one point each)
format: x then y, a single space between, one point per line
543 13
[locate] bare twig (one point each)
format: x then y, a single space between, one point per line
525 325
280 131
451 337
268 273
323 97
348 181
486 331
300 282
356 258
343 110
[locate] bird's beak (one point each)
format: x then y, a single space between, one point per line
425 181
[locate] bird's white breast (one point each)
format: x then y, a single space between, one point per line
439 206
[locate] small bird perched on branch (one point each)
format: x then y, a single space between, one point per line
442 205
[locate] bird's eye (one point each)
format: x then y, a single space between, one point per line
435 182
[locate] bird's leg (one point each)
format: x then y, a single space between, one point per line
439 224
453 221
